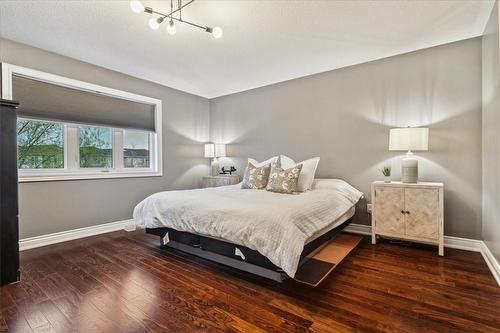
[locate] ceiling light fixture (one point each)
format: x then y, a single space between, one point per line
154 23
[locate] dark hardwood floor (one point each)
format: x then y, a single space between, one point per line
123 282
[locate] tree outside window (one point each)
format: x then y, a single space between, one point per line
40 144
96 147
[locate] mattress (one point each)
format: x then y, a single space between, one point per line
346 216
276 225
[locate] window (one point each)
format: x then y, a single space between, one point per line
40 144
69 129
45 146
96 147
136 151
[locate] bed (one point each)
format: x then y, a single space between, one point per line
265 233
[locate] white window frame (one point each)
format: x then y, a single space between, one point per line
72 170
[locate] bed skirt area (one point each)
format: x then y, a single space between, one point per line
238 256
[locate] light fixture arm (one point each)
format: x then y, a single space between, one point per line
150 10
215 31
207 29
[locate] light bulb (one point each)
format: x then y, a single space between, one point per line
171 29
155 23
136 6
217 32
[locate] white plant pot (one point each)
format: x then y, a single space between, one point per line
387 179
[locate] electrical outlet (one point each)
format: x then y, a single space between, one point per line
369 208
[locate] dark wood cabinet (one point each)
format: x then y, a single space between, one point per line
9 226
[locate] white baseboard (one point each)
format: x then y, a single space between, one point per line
63 236
492 262
467 244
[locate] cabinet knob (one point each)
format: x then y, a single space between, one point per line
408 212
402 212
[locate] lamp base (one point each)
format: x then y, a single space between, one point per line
215 167
409 168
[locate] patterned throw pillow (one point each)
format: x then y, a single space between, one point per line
284 181
256 177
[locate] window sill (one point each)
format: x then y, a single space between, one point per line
104 175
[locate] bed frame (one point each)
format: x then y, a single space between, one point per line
238 256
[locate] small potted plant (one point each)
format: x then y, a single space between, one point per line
386 171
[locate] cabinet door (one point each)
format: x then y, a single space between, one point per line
422 213
389 204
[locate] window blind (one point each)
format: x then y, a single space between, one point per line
47 101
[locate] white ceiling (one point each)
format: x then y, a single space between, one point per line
264 42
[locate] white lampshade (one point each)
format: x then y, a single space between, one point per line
409 139
209 150
215 150
220 150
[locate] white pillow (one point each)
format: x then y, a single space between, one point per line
307 173
328 183
286 162
338 185
261 164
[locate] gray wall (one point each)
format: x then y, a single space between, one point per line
47 207
344 117
491 135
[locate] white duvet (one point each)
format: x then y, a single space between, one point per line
276 225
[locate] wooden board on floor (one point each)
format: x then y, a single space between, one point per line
323 262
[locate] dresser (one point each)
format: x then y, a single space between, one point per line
9 227
221 180
412 212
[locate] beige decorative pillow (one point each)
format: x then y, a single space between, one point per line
256 177
284 181
306 174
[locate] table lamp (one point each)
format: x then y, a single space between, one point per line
409 139
215 150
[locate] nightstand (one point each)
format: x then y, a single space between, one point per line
222 180
407 211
